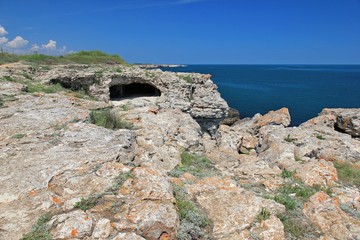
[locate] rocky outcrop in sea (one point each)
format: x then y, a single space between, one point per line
166 167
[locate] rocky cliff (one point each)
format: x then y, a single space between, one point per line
167 173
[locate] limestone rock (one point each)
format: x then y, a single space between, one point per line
325 213
271 228
279 117
102 229
128 236
317 173
231 209
76 224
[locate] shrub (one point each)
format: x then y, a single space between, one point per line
40 230
82 57
197 165
109 119
321 137
287 174
289 139
188 79
88 203
291 226
19 135
192 220
119 181
349 174
54 88
263 215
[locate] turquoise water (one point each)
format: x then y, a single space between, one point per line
304 89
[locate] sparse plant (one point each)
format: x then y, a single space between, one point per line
197 165
291 226
88 203
289 138
53 88
109 119
321 137
349 174
192 220
119 181
263 215
350 211
40 230
298 159
287 174
19 135
187 78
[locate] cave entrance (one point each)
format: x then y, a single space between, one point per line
133 90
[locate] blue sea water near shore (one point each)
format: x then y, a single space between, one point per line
304 89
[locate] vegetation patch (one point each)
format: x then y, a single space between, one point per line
119 181
19 135
321 137
109 119
263 215
54 88
289 138
82 57
187 78
193 221
292 226
197 165
88 203
287 174
349 174
40 230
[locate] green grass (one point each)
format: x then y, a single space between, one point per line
197 165
187 78
82 57
88 203
289 138
40 231
287 174
292 226
119 181
19 135
348 174
263 215
53 88
321 137
192 220
109 119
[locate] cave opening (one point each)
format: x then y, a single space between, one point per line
133 90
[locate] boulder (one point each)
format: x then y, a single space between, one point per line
326 214
279 117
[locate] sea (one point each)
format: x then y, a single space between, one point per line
304 89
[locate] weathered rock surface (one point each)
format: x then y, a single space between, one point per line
52 158
325 212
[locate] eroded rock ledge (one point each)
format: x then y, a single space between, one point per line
261 179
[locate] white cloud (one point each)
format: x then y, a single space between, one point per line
51 45
3 40
34 47
18 42
2 31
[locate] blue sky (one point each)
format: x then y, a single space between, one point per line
188 31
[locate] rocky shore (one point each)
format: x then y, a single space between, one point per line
171 169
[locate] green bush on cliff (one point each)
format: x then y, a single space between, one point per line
192 220
349 174
197 165
82 57
40 230
109 119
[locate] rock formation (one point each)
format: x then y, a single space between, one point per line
173 172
